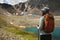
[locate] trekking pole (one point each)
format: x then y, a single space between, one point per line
38 33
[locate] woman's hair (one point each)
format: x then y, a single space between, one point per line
43 14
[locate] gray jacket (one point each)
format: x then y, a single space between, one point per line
41 22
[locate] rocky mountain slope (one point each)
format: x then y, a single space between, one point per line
31 6
54 5
7 8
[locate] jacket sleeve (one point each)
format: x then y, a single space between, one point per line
41 22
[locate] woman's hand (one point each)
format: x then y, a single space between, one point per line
37 26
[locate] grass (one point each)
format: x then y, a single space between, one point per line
16 30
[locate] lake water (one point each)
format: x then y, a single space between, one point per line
55 34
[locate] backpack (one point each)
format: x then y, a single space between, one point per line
48 23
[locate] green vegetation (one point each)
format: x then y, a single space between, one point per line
16 30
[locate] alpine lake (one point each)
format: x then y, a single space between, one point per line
55 33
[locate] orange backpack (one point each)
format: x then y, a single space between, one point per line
48 23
